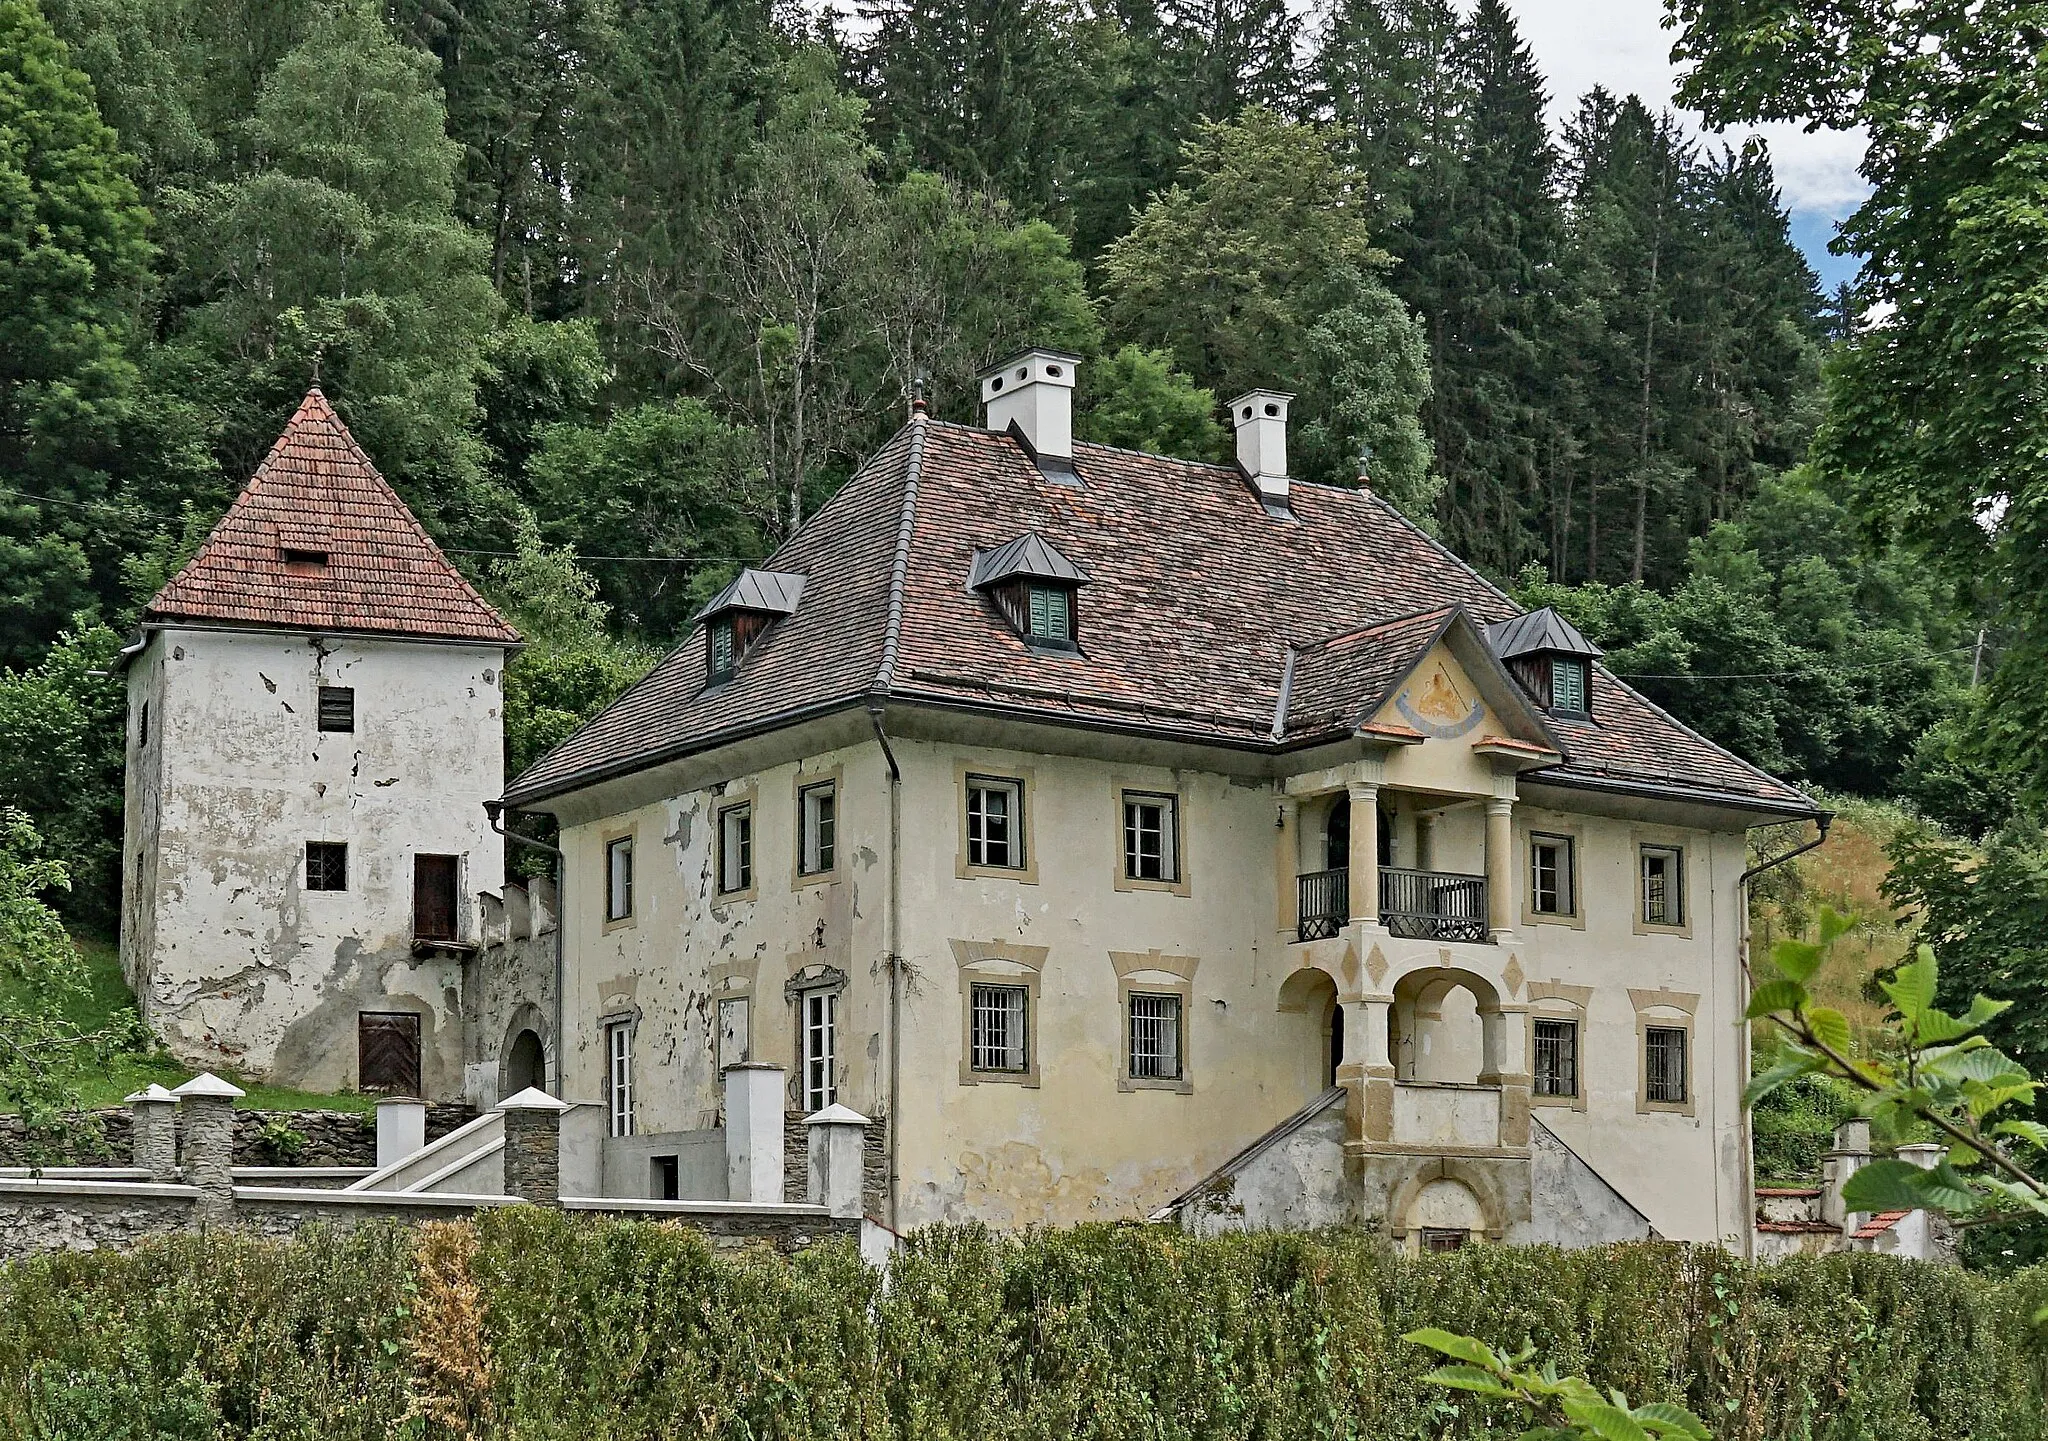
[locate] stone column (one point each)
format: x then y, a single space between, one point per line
1366 1070
1425 840
1500 865
836 1138
533 1146
1506 1033
153 1132
207 1106
401 1128
1365 853
754 1132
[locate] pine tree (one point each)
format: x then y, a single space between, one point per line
1229 55
74 254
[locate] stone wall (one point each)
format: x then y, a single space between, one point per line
333 1138
34 1220
796 1163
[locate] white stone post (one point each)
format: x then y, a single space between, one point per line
837 1136
153 1132
753 1132
1850 1155
208 1112
401 1128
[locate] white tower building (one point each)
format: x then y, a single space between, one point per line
315 719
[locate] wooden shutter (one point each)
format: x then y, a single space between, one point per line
388 1052
433 898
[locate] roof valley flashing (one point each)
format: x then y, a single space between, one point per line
1192 608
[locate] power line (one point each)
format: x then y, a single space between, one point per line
1799 674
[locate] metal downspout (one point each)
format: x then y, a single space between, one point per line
893 960
1824 820
496 811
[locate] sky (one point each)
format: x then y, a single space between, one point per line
1621 44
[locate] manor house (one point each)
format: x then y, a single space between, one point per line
1124 836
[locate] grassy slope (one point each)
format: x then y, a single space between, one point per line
107 996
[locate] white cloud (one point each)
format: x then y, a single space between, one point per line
1622 45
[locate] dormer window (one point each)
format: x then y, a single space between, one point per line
739 615
1052 615
1551 660
305 562
1035 588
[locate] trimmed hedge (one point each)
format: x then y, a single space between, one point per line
531 1324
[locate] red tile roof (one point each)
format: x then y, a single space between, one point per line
1880 1223
1196 596
316 491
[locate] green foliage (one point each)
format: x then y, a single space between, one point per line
62 733
539 1325
281 1141
1136 399
1257 270
74 252
1793 1127
1483 1371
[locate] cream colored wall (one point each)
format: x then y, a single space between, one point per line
1076 1145
685 947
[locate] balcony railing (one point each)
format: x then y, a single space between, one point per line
1419 905
1433 905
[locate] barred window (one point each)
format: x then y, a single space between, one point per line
995 816
1557 1058
818 1047
998 1030
735 849
337 708
818 808
1550 876
1151 837
1663 884
1664 1067
326 865
618 1049
1155 1049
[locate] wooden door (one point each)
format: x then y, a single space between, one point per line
388 1052
433 898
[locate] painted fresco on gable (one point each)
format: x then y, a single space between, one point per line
1437 707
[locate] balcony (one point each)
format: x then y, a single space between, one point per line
1416 905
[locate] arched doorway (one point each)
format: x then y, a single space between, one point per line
525 1065
1313 1023
1337 835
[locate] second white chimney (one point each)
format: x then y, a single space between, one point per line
1261 420
1035 390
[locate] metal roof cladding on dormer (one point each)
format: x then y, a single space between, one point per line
1540 632
768 592
1029 557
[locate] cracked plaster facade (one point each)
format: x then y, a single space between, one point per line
235 962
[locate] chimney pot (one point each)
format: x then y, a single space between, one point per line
1261 420
1035 392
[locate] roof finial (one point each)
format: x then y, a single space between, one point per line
918 382
317 348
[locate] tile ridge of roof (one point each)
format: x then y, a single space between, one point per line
1221 465
899 567
1359 630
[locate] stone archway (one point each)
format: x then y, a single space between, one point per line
1314 1027
1444 1027
524 1060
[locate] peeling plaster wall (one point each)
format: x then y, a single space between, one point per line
1072 1142
238 965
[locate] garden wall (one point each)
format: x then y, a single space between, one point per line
331 1138
532 1323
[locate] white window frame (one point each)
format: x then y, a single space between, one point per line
817 1042
618 1076
1670 915
817 810
618 879
1565 883
1164 832
978 822
736 859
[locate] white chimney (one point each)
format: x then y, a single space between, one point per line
1035 391
1261 420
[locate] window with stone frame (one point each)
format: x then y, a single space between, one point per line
618 878
999 1029
1662 885
995 822
1151 837
818 822
1552 884
736 848
1153 1048
1556 1059
1664 1065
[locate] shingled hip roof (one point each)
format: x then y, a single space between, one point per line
1197 599
318 495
